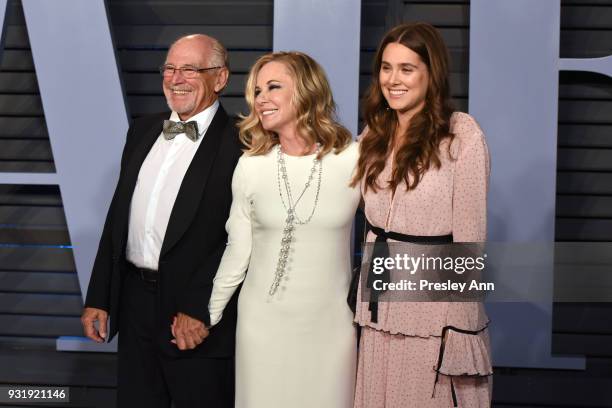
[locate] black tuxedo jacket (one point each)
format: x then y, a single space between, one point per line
195 238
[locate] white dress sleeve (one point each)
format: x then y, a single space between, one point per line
235 261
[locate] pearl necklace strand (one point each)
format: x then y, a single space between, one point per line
290 205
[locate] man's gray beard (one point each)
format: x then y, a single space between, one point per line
186 109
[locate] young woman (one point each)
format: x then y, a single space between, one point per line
423 171
290 225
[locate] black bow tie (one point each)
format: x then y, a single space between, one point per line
172 128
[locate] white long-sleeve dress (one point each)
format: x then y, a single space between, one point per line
296 348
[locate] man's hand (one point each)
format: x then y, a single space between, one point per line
188 332
89 317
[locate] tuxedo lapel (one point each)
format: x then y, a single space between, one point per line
192 188
142 146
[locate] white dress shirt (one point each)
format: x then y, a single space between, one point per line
158 184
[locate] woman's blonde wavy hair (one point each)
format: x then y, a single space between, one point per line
314 106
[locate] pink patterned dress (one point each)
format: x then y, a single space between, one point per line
401 363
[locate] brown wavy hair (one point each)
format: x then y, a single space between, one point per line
419 146
313 101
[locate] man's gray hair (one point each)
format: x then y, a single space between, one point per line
219 56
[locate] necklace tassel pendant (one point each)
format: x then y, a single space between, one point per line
283 257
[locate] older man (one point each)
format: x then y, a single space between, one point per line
163 239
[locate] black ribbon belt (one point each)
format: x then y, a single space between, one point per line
147 275
383 251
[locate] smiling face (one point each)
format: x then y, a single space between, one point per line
274 88
190 96
403 78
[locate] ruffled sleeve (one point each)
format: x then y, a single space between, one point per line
465 346
235 261
465 353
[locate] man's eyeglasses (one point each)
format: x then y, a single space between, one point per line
186 72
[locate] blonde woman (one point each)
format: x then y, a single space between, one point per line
289 225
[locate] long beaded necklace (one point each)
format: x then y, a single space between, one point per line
292 217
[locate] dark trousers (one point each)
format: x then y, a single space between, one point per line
149 378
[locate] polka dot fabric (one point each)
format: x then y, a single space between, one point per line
398 355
